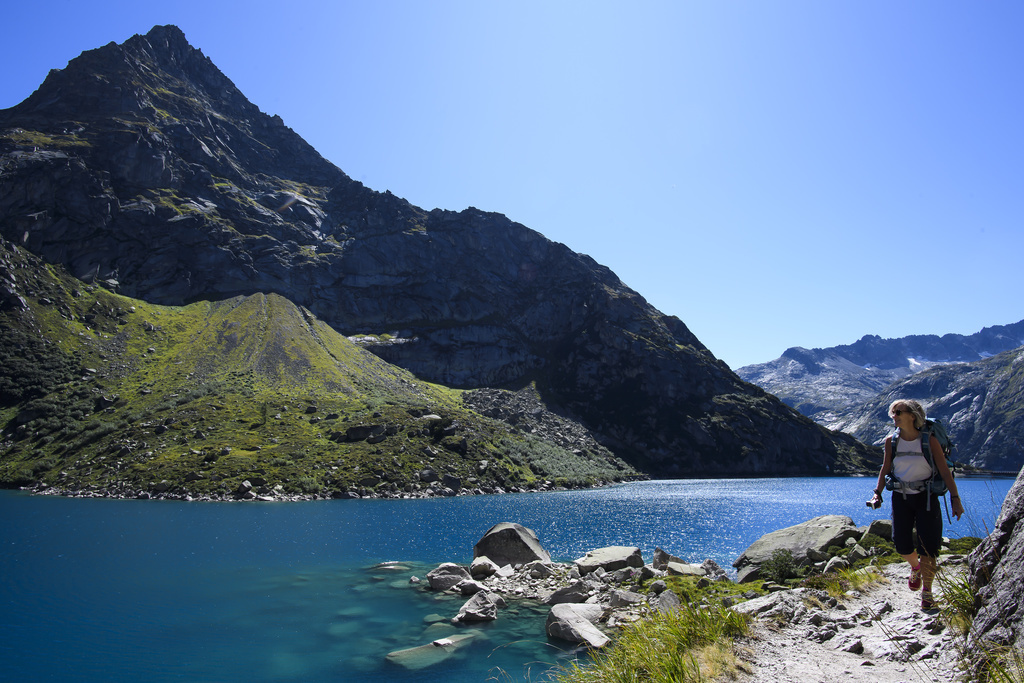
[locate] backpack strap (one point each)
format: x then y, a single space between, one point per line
892 482
926 446
926 451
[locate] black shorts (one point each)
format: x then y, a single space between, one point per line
912 512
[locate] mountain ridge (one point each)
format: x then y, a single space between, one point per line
981 403
822 383
971 382
173 190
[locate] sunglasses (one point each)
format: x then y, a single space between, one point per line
897 413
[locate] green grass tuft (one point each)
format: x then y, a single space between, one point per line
689 644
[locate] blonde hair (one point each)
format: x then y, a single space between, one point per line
912 406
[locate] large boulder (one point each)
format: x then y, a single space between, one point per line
481 607
469 587
575 623
573 593
880 527
662 558
807 542
995 569
510 543
713 571
447 575
666 601
621 598
610 559
685 569
482 567
782 603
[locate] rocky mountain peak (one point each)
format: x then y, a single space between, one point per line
117 78
168 99
142 166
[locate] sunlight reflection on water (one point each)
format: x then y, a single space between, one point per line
103 590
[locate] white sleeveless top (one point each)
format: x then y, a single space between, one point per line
909 463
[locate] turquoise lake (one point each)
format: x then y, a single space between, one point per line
114 590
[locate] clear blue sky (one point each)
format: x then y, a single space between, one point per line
774 173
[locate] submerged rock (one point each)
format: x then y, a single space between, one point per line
437 651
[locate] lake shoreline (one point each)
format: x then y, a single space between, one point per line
276 497
251 493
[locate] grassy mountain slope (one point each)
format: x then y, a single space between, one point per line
105 394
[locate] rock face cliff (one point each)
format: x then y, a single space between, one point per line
995 569
143 167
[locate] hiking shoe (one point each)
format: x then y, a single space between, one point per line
914 582
927 602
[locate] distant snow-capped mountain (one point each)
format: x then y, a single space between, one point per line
826 384
981 404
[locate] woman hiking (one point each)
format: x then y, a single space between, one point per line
914 505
